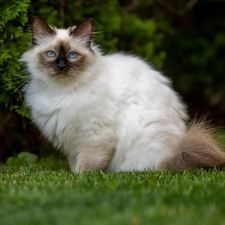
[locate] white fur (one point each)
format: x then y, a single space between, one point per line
125 104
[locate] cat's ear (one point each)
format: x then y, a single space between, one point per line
39 29
84 30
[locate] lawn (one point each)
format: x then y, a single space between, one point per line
48 193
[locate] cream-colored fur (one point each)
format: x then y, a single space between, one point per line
112 112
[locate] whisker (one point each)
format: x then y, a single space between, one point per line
19 86
12 78
11 84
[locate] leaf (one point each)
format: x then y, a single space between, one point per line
28 157
23 159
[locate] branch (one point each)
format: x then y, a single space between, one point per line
132 6
190 4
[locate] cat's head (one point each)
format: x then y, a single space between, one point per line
59 53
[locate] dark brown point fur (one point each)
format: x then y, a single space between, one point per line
40 28
61 65
197 149
72 66
84 30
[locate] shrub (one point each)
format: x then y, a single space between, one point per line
13 16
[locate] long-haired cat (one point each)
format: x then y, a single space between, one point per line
109 112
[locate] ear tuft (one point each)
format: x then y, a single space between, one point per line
84 30
39 29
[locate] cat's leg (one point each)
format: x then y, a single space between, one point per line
72 162
91 159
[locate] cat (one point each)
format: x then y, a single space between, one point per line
109 112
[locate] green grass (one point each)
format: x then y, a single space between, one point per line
48 193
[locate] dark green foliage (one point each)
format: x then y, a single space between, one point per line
195 47
13 42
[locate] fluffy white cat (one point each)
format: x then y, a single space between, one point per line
109 112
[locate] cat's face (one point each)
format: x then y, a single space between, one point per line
59 53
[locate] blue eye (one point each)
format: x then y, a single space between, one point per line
72 55
51 54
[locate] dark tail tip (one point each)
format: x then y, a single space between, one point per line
197 149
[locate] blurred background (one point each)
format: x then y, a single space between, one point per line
185 39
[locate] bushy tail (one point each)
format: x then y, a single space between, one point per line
197 149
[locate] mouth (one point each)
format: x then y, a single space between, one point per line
63 71
60 73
